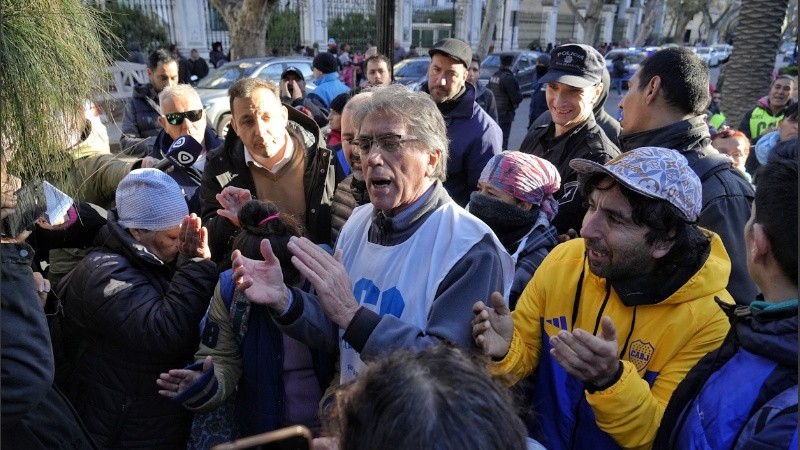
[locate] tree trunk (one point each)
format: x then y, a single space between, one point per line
680 27
652 8
247 22
748 75
590 20
714 27
487 27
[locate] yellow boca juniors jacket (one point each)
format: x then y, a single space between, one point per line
658 343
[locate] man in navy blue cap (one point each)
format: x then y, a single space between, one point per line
474 136
573 82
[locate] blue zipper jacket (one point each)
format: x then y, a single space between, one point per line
743 395
328 87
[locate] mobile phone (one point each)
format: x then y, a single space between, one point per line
290 88
31 205
34 200
296 437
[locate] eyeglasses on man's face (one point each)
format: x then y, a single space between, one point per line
389 143
177 118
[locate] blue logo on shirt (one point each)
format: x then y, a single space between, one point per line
558 322
388 302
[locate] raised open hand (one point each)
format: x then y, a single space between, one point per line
176 381
493 328
261 282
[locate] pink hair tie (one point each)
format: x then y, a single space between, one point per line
268 218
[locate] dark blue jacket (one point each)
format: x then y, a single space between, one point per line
538 244
140 121
474 138
259 399
505 87
743 395
35 415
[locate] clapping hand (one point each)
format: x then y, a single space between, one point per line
193 239
493 328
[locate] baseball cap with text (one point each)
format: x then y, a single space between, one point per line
577 65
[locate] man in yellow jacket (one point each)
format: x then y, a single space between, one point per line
613 321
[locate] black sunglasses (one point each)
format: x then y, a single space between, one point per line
177 118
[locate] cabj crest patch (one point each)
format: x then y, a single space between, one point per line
640 353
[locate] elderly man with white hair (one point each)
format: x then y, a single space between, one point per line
407 266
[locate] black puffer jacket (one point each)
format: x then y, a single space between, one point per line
128 318
507 95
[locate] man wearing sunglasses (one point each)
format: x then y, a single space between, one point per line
183 115
407 266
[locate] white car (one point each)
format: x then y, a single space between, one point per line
724 51
213 89
709 55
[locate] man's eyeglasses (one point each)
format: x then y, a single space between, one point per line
389 143
177 118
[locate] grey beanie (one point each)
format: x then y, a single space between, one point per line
149 199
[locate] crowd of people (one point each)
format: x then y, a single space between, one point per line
403 278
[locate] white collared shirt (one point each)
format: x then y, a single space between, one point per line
287 156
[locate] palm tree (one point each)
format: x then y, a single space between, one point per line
749 72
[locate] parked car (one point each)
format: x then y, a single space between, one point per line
524 68
213 89
633 58
787 54
409 71
724 51
709 55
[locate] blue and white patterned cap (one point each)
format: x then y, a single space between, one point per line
655 173
149 199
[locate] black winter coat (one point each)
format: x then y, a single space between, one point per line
226 166
587 141
35 415
128 318
507 95
140 121
727 195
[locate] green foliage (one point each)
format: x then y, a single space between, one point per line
283 33
438 16
51 61
131 24
355 29
788 70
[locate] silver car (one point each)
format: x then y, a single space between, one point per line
213 89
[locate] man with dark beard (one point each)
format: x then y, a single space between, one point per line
612 322
515 198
